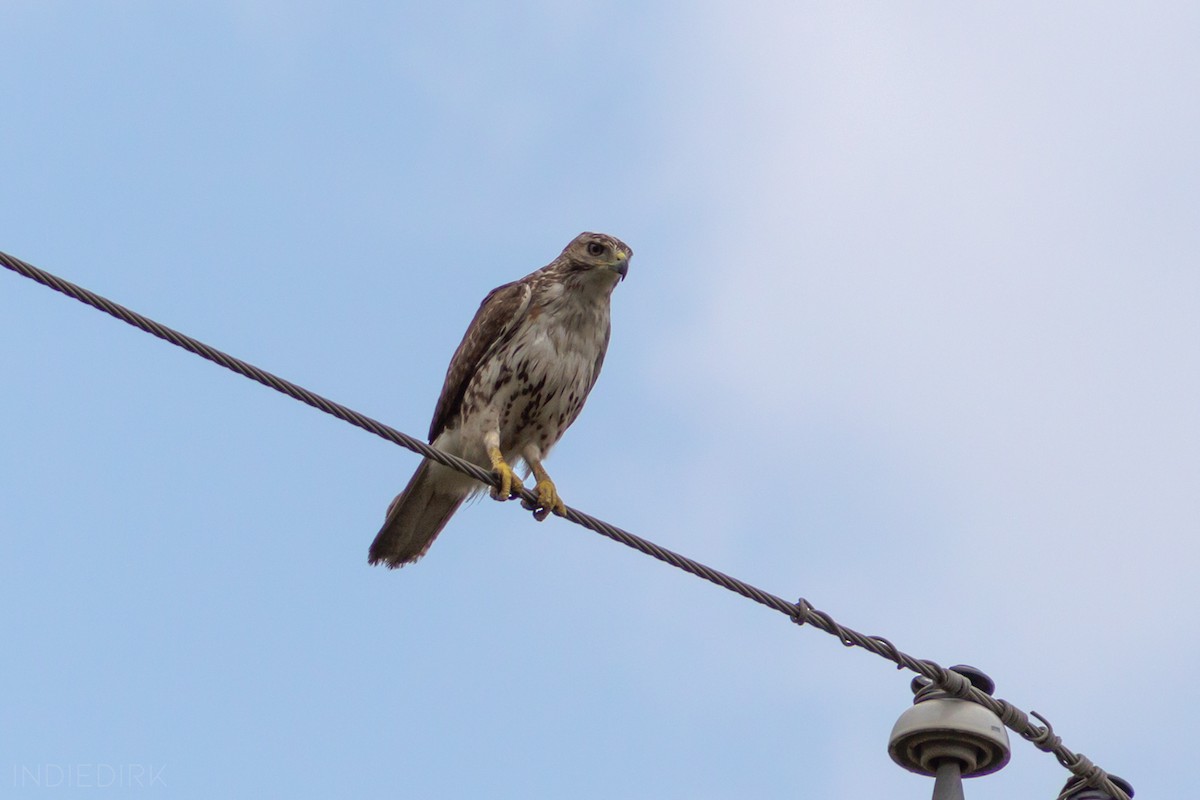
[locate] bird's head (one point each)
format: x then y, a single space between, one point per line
598 252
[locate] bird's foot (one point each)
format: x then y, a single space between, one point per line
507 477
548 499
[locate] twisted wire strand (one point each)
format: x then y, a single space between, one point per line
801 612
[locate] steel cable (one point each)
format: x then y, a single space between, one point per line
801 612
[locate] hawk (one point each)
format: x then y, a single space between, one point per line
516 382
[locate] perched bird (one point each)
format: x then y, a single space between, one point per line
516 382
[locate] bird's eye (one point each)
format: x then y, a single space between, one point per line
595 249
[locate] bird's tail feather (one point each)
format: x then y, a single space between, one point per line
418 514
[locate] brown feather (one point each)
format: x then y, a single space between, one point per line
494 322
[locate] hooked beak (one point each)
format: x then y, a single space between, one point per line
622 265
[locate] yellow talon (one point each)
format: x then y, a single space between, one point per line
547 493
548 497
507 476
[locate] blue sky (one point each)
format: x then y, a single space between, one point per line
911 330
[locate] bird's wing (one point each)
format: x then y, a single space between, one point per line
599 359
494 324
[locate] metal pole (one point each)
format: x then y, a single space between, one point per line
948 783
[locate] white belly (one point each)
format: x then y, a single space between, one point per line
534 387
